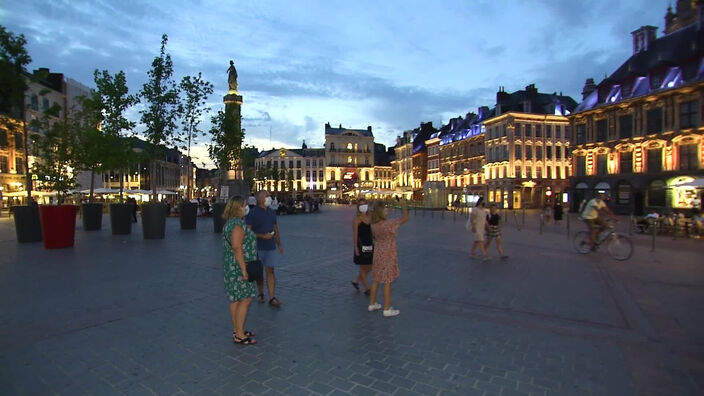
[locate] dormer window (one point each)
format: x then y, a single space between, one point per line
655 81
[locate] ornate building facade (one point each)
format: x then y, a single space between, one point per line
291 172
349 157
637 135
527 148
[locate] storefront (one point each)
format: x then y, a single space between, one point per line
686 192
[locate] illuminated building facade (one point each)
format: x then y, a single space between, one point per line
383 172
349 157
460 156
527 148
403 165
293 172
637 135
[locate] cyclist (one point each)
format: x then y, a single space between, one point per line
591 216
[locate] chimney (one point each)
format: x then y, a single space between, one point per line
642 38
502 100
340 126
369 128
531 91
589 87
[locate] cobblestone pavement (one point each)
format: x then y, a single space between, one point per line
123 315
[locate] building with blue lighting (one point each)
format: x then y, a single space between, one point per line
637 135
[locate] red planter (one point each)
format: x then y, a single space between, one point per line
58 225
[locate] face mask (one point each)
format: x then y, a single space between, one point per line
246 210
267 201
363 208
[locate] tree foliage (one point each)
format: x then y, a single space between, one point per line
226 144
163 106
196 91
57 150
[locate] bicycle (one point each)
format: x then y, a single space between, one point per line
619 246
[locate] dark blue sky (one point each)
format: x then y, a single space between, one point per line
388 64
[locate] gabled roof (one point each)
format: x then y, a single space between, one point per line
339 131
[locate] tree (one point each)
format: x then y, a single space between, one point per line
249 157
112 100
196 92
289 181
226 144
161 95
14 59
91 145
57 149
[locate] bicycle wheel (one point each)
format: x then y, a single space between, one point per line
581 242
620 247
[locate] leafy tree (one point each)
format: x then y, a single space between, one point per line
225 148
289 181
14 59
57 149
161 95
91 145
249 156
111 100
196 91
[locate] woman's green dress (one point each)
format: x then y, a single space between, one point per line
237 288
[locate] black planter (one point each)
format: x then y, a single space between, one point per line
27 224
154 220
121 218
218 222
92 216
188 213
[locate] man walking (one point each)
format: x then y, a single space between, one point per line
262 220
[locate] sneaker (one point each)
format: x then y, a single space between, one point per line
504 257
391 312
374 307
487 258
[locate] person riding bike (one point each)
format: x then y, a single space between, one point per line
591 216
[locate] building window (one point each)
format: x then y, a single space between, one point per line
626 161
558 131
581 134
19 141
529 172
688 114
602 165
35 103
623 193
4 142
320 173
656 193
4 165
548 131
654 160
45 104
548 152
349 159
332 175
529 152
654 121
518 151
19 165
518 171
581 165
308 163
538 131
539 152
298 163
517 131
538 172
601 130
688 157
528 131
298 174
313 176
558 152
625 127
548 172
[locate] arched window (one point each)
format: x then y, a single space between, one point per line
349 146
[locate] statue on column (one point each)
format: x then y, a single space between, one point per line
232 76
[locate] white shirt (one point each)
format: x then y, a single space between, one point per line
591 211
478 218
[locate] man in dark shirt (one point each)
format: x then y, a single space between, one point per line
262 220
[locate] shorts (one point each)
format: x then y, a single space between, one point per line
270 258
595 223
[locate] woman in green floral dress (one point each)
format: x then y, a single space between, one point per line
239 246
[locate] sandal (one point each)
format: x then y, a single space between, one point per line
367 292
261 298
274 302
247 333
356 285
245 341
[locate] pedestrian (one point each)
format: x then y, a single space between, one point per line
558 212
239 247
385 259
262 220
363 244
251 201
133 201
477 220
493 231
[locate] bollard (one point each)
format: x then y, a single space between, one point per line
523 221
632 222
652 243
568 226
454 213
